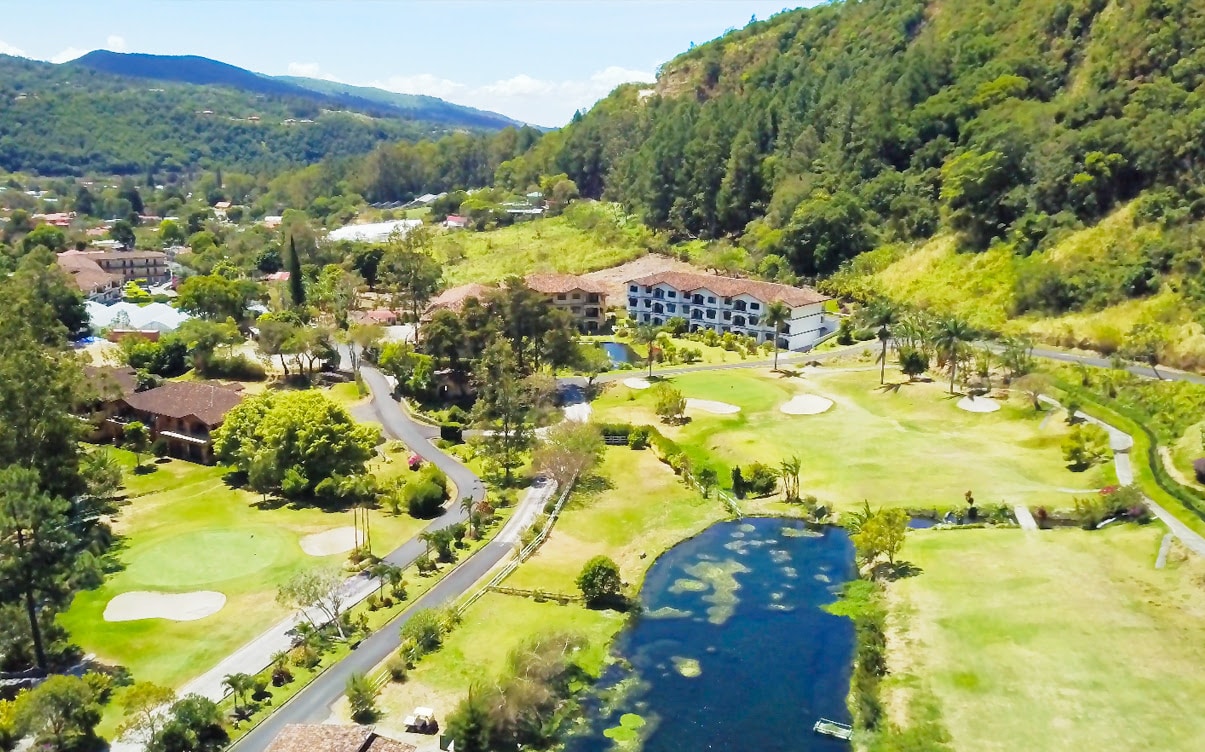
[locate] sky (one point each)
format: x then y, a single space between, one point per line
535 61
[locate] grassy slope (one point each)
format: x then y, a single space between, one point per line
643 496
553 244
184 529
979 288
1058 640
909 446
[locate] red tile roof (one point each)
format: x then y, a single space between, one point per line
179 399
453 298
327 737
556 284
731 286
86 273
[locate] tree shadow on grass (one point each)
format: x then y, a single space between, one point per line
894 387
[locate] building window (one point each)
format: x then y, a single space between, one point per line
697 300
755 306
696 314
657 321
631 302
727 301
592 298
671 294
577 296
561 296
633 288
727 315
711 314
671 308
739 321
646 318
710 299
739 305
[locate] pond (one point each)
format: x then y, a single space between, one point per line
733 650
618 352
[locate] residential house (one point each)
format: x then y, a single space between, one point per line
107 388
329 737
729 304
454 298
377 316
183 414
584 298
456 222
131 265
94 282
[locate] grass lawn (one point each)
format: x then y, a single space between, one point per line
552 244
909 446
642 512
184 529
1053 641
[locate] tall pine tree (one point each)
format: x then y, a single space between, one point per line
292 265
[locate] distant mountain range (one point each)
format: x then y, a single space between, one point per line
202 71
109 112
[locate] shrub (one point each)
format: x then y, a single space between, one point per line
1198 467
362 697
456 414
424 498
760 479
160 447
639 438
237 367
599 580
424 631
845 332
424 564
451 432
397 669
1085 446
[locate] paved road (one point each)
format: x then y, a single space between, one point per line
313 704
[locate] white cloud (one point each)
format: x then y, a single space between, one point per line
8 49
115 43
310 70
68 54
541 101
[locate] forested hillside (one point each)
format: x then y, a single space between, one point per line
127 114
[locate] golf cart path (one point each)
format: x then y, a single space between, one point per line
1121 443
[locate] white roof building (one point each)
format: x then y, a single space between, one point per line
374 232
158 316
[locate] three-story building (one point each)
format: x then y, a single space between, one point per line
730 304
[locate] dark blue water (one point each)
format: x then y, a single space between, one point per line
743 600
618 352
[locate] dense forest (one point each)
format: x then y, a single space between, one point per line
72 119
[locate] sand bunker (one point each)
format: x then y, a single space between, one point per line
978 405
637 383
143 604
711 406
806 404
337 541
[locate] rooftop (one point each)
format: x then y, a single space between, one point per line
333 738
111 382
180 399
551 284
86 273
453 298
374 232
732 286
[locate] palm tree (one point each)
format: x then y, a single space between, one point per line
646 334
789 470
949 337
385 572
466 506
239 684
778 313
883 315
428 538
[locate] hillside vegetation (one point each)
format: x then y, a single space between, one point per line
127 114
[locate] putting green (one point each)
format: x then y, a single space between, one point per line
205 557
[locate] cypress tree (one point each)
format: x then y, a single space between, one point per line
292 265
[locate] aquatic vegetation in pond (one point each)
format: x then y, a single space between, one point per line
721 576
627 732
822 578
747 528
668 612
688 667
790 571
685 585
801 532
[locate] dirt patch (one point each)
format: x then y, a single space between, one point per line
337 541
142 604
615 280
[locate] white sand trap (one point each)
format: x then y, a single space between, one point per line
711 406
143 604
806 404
337 541
637 383
579 412
978 405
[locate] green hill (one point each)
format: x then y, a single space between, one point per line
974 148
125 114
